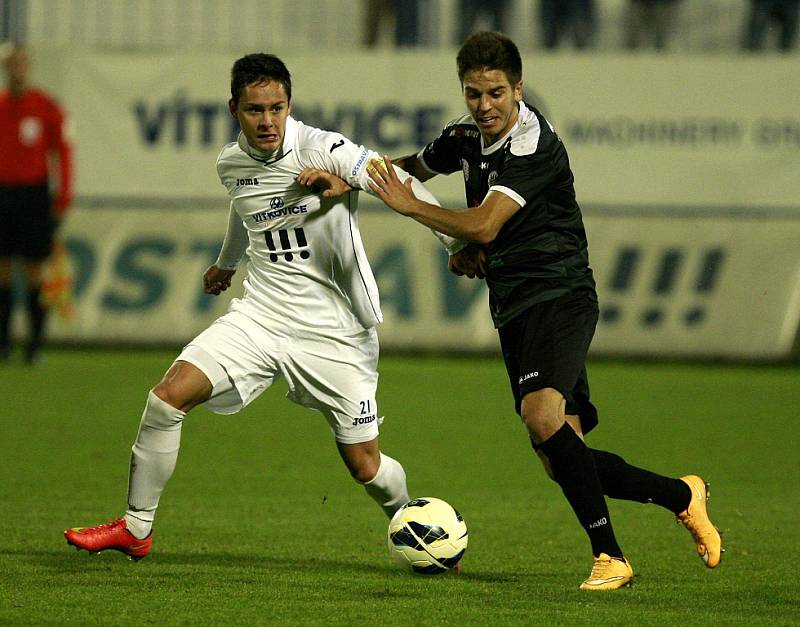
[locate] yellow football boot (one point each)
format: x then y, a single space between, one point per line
695 519
608 573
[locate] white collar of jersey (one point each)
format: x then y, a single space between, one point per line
522 115
268 157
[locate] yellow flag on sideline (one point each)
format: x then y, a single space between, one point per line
57 282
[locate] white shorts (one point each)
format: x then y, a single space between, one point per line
336 376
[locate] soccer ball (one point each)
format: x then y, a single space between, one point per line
428 535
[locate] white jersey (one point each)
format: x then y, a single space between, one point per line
307 265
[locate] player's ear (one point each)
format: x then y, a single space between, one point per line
518 91
232 107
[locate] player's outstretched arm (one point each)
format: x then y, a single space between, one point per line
412 165
330 185
479 224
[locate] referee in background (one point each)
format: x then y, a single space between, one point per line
32 140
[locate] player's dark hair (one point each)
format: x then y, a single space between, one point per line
490 51
258 67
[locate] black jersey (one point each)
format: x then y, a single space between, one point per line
541 252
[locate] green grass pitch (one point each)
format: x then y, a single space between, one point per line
261 524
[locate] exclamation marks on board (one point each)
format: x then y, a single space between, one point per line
621 281
666 276
669 270
707 279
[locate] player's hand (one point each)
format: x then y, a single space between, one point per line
470 261
329 184
216 280
388 187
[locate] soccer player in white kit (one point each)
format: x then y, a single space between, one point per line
308 313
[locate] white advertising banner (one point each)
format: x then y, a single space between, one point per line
687 168
691 286
696 285
640 129
137 278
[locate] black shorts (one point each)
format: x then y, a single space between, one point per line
26 222
546 347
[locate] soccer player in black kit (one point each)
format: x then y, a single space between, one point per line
528 240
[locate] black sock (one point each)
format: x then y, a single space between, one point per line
620 480
6 303
573 470
37 315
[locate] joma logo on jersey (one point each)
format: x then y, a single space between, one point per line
242 182
286 244
263 216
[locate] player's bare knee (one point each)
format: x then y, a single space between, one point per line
543 413
363 459
175 397
364 467
364 472
362 462
184 386
164 392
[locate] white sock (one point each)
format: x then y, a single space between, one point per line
139 527
388 486
153 458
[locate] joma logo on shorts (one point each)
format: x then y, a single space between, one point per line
530 375
364 420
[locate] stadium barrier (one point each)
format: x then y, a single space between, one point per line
692 285
686 168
